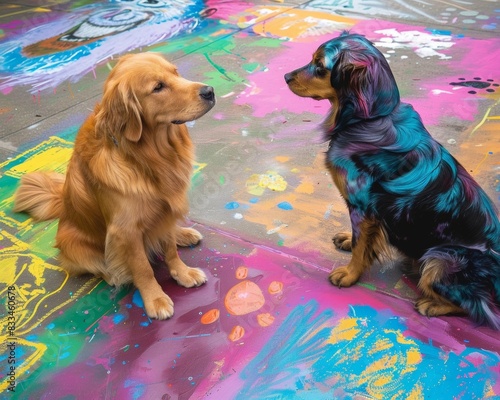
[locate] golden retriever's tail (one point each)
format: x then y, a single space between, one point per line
40 195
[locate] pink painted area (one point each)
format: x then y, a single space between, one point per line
268 93
496 386
105 362
6 90
184 358
437 99
219 116
226 11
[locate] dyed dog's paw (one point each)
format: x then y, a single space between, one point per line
343 241
343 277
159 308
434 308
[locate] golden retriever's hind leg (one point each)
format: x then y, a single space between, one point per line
78 256
431 304
184 275
343 241
187 236
93 265
371 241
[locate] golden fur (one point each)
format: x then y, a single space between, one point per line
126 185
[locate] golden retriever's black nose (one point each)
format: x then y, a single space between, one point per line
288 78
207 92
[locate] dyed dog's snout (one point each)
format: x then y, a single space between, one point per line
288 77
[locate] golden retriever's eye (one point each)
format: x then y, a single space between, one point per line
159 87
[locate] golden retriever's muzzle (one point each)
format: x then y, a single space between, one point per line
207 96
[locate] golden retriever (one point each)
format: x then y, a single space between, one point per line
126 186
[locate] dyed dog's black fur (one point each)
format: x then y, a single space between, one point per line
401 186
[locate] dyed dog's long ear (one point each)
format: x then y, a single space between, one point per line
120 113
365 85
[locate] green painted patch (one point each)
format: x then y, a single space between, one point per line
267 42
251 67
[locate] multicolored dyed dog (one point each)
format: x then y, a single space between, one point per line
402 188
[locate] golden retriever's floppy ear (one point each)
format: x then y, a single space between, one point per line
120 112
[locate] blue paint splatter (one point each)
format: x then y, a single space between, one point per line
145 323
137 388
137 299
51 326
254 200
118 318
232 205
305 349
439 31
285 205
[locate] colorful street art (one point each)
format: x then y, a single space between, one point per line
267 324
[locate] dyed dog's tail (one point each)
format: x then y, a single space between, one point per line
40 195
471 280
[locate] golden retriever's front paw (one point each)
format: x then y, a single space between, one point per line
343 241
160 308
190 277
187 237
343 277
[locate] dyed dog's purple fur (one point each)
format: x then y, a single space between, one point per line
395 173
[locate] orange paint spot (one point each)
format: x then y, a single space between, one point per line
297 23
265 319
282 159
241 272
236 333
275 287
305 187
244 298
210 316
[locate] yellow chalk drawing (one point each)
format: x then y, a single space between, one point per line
34 353
25 275
197 167
485 118
258 183
346 329
31 279
390 359
51 155
32 271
